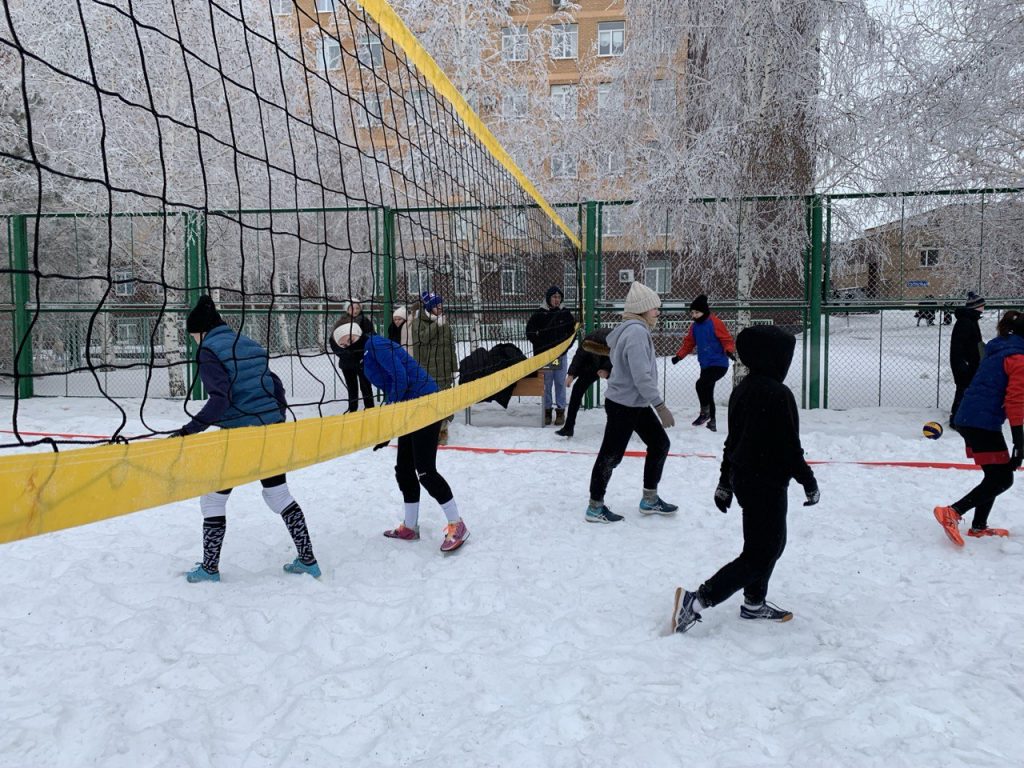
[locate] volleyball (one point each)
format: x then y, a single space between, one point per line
932 430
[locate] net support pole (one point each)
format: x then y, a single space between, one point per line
814 393
590 282
195 281
387 258
17 237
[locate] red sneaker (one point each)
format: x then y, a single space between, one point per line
403 533
980 533
950 522
455 535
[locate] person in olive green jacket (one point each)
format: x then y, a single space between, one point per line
433 346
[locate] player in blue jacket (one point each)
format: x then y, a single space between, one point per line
392 370
243 392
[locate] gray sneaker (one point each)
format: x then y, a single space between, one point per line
765 611
684 612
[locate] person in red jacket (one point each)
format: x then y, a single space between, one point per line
715 348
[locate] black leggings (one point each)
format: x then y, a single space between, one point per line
356 380
267 482
417 465
706 386
764 539
998 478
579 390
962 376
623 421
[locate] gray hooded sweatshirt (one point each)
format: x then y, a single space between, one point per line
634 378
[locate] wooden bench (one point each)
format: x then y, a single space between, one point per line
529 386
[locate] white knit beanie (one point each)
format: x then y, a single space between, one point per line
347 329
640 299
400 313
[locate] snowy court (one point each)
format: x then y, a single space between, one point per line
542 641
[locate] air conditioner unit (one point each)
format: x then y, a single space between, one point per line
626 276
558 3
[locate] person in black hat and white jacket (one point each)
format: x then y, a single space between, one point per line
966 347
243 392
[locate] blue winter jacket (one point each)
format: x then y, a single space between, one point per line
393 370
242 390
983 403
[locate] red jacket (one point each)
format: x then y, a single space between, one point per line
707 354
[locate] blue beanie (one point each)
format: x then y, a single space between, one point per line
551 292
430 300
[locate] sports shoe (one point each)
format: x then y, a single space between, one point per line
565 431
455 535
703 417
712 425
404 533
601 515
684 612
659 507
297 566
766 611
199 573
980 533
950 521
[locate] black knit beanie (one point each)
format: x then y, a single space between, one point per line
700 304
203 317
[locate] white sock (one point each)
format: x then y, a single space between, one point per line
412 514
213 504
451 510
751 605
278 498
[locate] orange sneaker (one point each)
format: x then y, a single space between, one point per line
980 533
950 522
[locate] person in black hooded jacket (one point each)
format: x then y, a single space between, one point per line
762 454
590 363
548 327
965 348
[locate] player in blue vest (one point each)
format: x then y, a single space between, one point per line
393 370
243 392
715 348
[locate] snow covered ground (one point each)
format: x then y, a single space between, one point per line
541 642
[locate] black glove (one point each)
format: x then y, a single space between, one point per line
676 359
723 497
1018 447
385 444
812 492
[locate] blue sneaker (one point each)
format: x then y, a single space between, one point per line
684 612
199 573
601 515
297 566
658 507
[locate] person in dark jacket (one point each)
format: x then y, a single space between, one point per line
243 391
715 348
548 327
349 361
965 348
762 454
995 395
401 378
590 363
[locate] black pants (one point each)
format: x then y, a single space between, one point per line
355 380
417 465
706 386
267 482
764 539
623 421
579 390
962 376
989 450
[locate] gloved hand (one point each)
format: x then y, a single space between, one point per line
385 444
667 419
723 497
676 359
812 492
731 356
1018 448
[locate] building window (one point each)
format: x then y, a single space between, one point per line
512 281
663 97
564 165
515 104
417 281
519 224
462 281
610 165
611 220
124 281
281 7
564 41
325 6
929 257
661 223
515 43
417 105
329 55
127 332
609 99
370 51
611 37
368 113
570 282
658 275
564 99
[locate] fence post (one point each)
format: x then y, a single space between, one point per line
814 394
388 265
590 282
18 244
195 281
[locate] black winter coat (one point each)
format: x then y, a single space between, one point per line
592 355
483 362
965 344
763 444
395 332
351 358
548 327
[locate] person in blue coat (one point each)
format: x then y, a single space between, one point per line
394 371
243 392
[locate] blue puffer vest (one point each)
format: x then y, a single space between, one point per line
709 348
982 406
252 401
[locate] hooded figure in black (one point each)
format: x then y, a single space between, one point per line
548 327
966 348
762 454
350 360
590 363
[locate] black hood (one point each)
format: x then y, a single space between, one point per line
766 349
963 313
